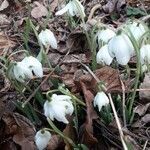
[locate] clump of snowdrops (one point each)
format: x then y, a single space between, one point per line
117 45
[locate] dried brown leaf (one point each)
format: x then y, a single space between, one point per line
5 43
55 142
114 5
38 11
108 76
21 129
86 130
143 121
141 109
74 58
76 41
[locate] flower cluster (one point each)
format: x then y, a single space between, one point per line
119 45
27 68
58 108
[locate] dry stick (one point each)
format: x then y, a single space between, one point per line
145 145
123 103
99 24
97 6
113 108
145 18
47 77
118 122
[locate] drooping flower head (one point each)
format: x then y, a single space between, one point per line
74 8
105 35
42 138
27 68
58 108
121 48
103 56
47 38
137 29
101 100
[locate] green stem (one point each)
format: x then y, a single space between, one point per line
60 133
138 71
62 90
52 91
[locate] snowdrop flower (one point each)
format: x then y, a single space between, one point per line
34 65
42 138
101 100
21 72
103 56
58 108
121 47
47 38
27 68
137 29
105 35
74 8
145 54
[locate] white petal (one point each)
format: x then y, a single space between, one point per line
105 35
60 113
103 56
60 97
42 139
121 48
21 72
72 9
78 8
58 108
47 38
145 54
34 65
137 29
101 100
63 10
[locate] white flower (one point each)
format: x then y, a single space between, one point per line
145 54
103 56
21 72
121 47
105 35
101 100
34 65
26 68
74 7
42 138
58 108
137 30
47 38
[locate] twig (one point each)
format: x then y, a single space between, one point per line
145 145
118 122
123 103
97 6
